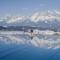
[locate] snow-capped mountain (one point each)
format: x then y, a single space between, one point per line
43 19
43 16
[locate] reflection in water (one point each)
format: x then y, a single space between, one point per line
21 47
42 41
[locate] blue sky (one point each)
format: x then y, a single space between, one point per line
27 7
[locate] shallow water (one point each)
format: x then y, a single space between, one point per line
21 47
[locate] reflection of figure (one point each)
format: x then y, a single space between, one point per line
31 37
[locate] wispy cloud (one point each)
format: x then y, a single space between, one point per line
25 8
41 5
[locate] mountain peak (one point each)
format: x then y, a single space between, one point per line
44 16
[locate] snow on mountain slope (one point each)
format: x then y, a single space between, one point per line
38 18
43 16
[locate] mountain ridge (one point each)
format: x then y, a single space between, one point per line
43 19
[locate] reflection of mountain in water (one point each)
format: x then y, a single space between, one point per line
39 40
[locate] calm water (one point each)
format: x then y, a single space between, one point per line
14 51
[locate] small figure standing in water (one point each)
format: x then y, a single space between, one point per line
31 31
